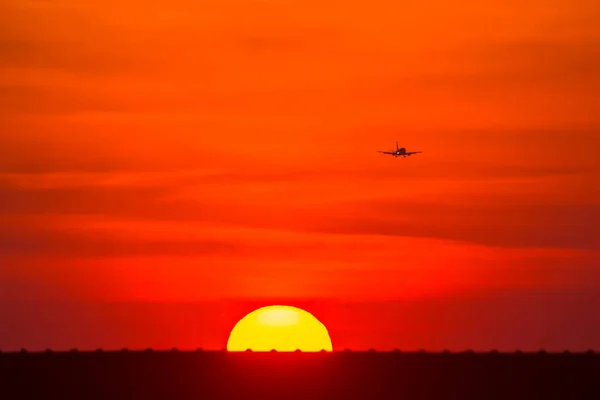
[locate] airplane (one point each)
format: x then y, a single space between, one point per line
400 152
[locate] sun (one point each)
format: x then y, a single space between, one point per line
280 328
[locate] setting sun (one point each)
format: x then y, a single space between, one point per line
280 328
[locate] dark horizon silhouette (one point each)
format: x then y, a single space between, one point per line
348 375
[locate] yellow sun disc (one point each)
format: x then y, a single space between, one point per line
280 328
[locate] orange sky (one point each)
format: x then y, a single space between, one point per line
224 151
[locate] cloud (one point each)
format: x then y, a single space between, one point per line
506 205
499 224
88 244
362 169
113 258
248 58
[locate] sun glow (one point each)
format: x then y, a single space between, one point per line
280 328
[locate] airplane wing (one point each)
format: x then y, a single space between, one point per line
413 152
386 152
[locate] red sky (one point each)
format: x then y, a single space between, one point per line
165 168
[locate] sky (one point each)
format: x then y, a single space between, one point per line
167 167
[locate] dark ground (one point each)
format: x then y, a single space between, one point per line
342 375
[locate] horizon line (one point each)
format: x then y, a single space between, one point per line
345 351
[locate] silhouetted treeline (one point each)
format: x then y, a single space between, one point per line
210 375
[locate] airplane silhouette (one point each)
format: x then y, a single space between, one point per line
400 152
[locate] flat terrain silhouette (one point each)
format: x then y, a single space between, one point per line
344 375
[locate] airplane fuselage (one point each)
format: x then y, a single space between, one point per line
400 152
